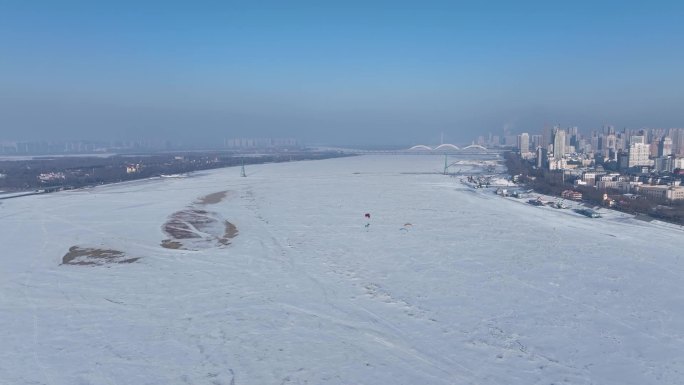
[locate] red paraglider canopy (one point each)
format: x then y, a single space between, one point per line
367 215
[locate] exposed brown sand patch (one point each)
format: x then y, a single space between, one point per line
94 256
194 229
213 198
230 233
169 244
186 224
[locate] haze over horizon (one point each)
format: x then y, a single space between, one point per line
352 73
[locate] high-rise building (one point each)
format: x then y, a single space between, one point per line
541 157
595 142
638 152
547 137
665 146
558 143
621 142
665 163
572 136
536 141
653 147
677 136
524 143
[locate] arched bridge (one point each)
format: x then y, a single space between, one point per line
446 146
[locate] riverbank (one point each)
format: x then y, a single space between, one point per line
555 183
39 176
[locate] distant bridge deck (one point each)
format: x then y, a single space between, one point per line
447 146
449 149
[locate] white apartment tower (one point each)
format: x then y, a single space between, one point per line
638 152
524 143
558 143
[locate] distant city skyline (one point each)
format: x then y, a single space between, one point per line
350 73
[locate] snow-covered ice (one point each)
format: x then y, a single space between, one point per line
479 290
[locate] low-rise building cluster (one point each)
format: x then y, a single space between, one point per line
51 176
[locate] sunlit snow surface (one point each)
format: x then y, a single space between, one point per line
478 290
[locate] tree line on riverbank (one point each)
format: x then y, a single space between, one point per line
54 173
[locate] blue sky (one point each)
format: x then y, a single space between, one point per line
349 72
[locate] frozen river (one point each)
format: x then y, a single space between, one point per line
278 278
